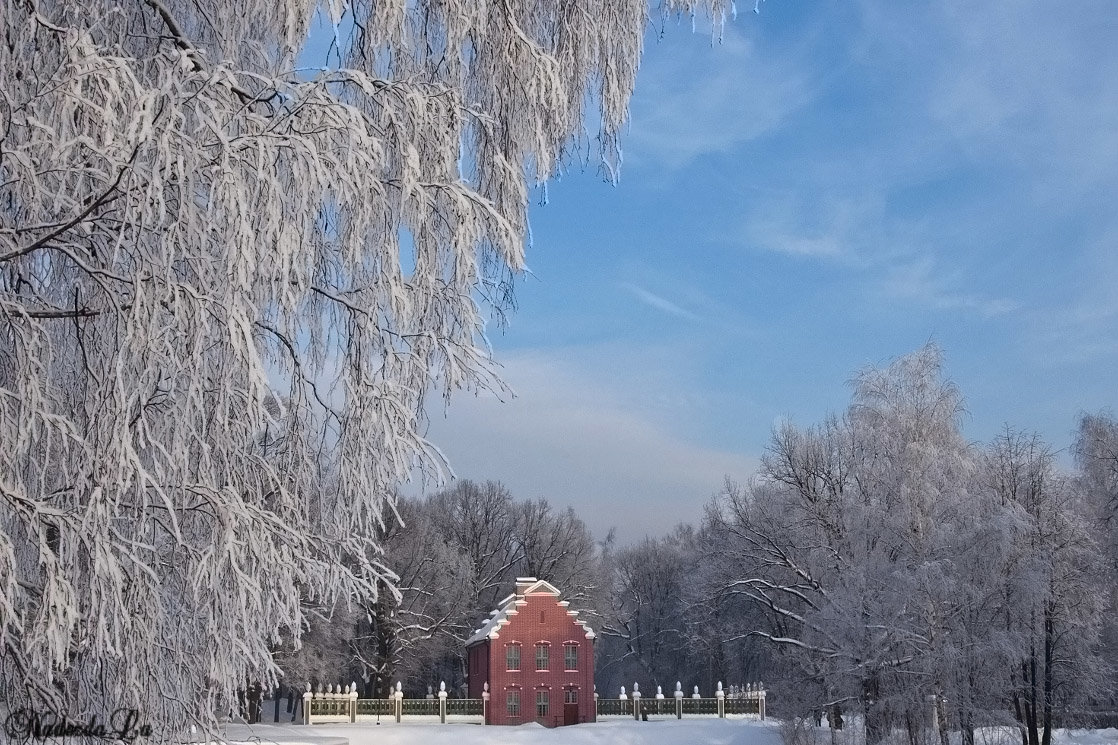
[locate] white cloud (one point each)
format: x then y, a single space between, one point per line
659 303
580 442
919 281
693 99
832 227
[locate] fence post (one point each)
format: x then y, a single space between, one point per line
485 703
636 701
721 696
399 696
307 705
353 701
595 702
442 702
678 700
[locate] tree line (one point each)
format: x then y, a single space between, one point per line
877 563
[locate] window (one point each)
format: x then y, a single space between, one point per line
542 703
543 657
542 617
570 657
570 696
512 703
512 657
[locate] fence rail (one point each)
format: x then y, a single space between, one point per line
465 707
613 707
420 707
748 700
372 707
334 705
744 706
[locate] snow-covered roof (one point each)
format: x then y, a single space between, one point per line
507 608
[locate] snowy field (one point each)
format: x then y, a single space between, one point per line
619 732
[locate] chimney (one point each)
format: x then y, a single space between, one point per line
523 583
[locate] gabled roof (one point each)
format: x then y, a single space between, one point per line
507 608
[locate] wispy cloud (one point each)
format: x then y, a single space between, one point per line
577 441
659 303
828 228
919 281
742 94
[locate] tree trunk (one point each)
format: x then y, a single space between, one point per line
941 720
966 724
1019 713
1049 643
1031 709
875 724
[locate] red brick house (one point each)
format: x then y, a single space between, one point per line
537 657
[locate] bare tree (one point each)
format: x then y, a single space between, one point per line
479 522
557 546
407 637
644 631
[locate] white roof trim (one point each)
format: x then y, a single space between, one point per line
542 586
501 617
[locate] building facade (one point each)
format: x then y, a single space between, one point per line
537 658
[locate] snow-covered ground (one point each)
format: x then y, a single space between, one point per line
619 732
612 732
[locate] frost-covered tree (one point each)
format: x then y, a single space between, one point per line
1054 599
189 227
1096 451
903 571
844 542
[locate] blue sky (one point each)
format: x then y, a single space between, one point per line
831 186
